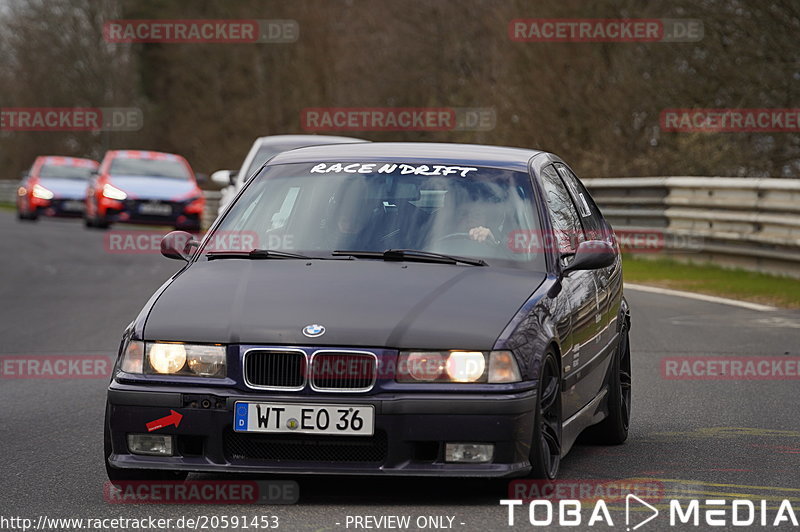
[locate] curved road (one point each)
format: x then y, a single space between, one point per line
63 293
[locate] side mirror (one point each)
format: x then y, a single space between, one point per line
23 175
200 178
224 178
178 245
591 255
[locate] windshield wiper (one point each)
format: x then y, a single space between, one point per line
417 255
254 254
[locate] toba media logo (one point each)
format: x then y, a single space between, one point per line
638 512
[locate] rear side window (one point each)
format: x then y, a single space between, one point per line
565 218
591 218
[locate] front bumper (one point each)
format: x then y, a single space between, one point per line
129 211
64 208
410 431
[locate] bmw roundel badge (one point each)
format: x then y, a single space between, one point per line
313 331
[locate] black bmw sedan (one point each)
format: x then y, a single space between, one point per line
381 308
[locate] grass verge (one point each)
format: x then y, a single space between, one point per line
714 280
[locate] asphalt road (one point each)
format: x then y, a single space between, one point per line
63 293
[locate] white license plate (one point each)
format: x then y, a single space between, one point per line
73 205
345 420
162 209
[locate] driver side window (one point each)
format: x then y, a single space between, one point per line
566 220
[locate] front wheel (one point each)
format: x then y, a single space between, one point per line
545 454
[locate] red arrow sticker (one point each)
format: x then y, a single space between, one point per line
174 418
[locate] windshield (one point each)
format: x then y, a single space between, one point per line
316 209
65 171
149 167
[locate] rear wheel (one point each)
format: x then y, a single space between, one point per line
613 430
545 455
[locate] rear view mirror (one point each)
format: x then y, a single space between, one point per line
592 255
224 178
178 245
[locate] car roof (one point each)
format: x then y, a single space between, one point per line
302 139
144 154
426 152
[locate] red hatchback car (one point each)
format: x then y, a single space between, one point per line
54 186
144 187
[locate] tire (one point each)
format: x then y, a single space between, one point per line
123 475
545 454
613 430
96 223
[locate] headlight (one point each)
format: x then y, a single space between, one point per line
493 367
166 358
174 358
112 192
206 360
466 366
42 193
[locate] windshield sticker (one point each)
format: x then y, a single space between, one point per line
368 168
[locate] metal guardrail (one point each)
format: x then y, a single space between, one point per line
8 191
749 223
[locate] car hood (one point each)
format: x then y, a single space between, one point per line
145 187
65 188
359 302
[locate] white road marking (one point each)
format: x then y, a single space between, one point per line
701 297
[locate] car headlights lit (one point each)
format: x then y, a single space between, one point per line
42 193
166 358
112 192
174 358
465 366
494 367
